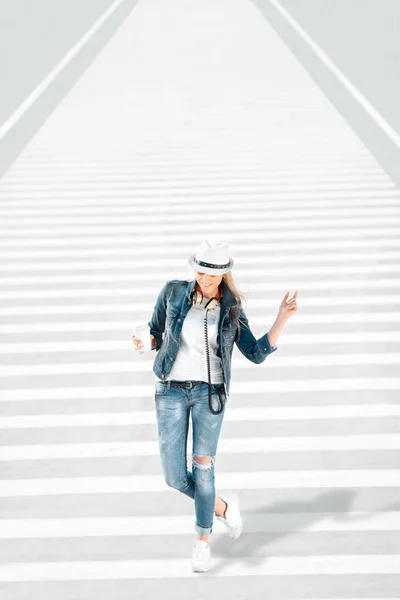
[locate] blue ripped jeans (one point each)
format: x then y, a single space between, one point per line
173 407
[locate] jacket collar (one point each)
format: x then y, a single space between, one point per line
228 299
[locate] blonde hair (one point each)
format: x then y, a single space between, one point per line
240 297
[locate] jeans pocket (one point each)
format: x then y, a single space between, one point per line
160 388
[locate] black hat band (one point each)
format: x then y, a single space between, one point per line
210 265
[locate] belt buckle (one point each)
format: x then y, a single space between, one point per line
189 384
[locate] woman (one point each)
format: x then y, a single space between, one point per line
177 331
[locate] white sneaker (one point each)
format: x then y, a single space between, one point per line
232 520
201 556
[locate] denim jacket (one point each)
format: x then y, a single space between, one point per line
172 306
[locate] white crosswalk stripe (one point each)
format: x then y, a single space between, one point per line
165 568
238 445
351 384
147 155
259 480
251 414
155 525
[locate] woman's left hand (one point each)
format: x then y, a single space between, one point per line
288 307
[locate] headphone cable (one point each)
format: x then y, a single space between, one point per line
220 399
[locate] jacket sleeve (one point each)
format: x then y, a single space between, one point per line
157 322
253 349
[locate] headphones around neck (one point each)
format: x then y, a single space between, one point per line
197 298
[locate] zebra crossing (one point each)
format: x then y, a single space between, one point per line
150 153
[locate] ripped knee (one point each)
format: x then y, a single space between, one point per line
203 462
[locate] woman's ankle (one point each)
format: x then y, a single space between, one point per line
221 510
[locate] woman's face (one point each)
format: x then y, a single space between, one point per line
208 284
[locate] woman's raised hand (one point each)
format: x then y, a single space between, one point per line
288 307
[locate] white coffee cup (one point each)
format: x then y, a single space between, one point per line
142 332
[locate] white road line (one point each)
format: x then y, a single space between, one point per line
124 208
152 292
132 163
324 217
188 152
388 250
115 326
320 522
127 325
329 479
157 159
308 319
379 203
144 214
281 227
122 176
232 446
143 307
60 66
325 338
121 189
205 180
256 414
79 346
379 198
284 162
223 193
246 276
183 157
348 564
199 156
130 266
102 236
142 366
269 387
124 243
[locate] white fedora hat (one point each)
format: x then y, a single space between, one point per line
212 258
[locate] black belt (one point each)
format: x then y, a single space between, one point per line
185 384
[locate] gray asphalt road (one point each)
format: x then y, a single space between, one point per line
34 37
361 37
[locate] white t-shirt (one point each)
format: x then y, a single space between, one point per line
191 361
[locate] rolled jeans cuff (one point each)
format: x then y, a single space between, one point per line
203 530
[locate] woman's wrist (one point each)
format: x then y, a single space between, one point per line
276 329
281 318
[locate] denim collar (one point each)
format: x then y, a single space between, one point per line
227 299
